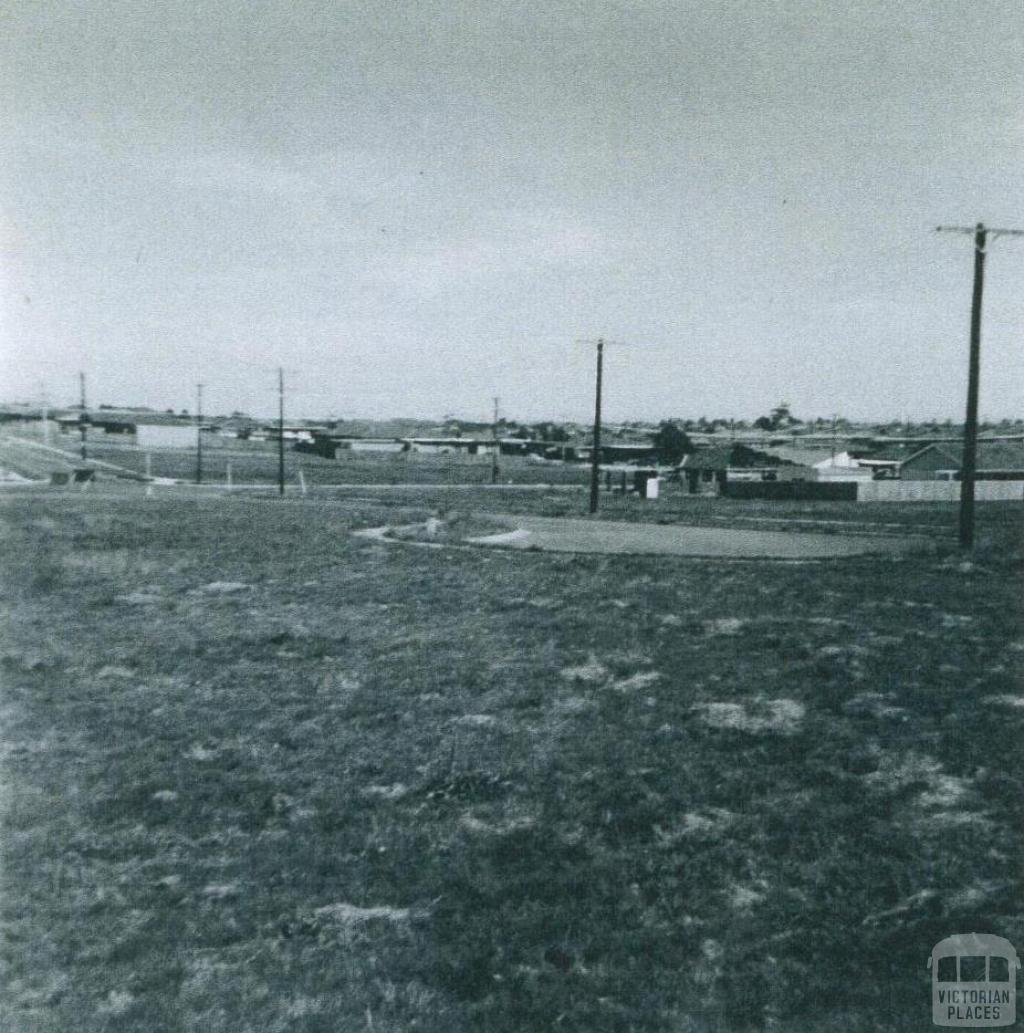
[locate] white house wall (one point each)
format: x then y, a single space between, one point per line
153 435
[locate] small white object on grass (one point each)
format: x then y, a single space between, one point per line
350 914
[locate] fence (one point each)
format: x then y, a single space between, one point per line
804 491
938 491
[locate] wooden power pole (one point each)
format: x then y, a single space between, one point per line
199 433
280 430
968 466
83 416
494 454
595 459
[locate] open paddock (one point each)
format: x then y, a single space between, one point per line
260 774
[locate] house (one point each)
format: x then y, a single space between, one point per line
825 461
442 446
166 435
541 449
941 461
883 462
149 430
372 445
709 468
842 467
615 453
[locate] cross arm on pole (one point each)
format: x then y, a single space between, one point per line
989 232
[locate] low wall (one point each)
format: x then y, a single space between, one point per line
938 491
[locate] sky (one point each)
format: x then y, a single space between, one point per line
415 207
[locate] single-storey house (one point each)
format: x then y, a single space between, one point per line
941 461
147 430
637 452
826 462
442 446
166 435
708 468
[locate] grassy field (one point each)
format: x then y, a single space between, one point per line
257 463
260 775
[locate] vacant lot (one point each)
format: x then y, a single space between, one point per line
254 462
261 775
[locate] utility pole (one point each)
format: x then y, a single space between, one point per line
280 430
595 459
83 416
968 465
45 398
199 433
494 454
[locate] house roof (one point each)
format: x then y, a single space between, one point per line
714 457
801 456
736 454
1000 455
992 455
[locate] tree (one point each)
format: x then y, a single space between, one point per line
671 442
549 432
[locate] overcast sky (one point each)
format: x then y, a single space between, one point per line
414 207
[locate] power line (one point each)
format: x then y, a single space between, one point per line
968 466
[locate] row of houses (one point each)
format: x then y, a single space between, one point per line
709 468
706 468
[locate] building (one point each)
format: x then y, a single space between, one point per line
147 430
636 452
709 468
166 435
372 445
941 461
445 446
826 462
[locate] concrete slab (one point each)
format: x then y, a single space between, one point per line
552 534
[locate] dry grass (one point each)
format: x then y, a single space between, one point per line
261 775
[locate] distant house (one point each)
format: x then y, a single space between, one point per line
166 435
842 467
827 464
441 446
883 462
941 461
149 430
373 445
709 468
542 449
637 452
292 433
